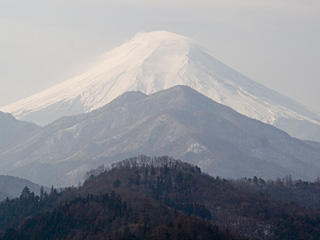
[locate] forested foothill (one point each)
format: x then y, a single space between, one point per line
163 198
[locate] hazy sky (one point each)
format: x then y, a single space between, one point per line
274 42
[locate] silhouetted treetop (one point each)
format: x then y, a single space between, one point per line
143 161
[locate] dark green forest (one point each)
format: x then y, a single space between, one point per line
163 198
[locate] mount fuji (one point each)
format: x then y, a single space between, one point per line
158 60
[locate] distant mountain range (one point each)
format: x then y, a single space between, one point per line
154 61
12 131
178 122
12 187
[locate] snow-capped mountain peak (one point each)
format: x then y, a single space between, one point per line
154 61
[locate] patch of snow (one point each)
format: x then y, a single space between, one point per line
197 148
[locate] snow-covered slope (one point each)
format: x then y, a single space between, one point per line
159 60
178 122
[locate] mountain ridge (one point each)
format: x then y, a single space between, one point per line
13 131
158 60
179 122
11 187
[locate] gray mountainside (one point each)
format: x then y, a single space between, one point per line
13 131
179 122
12 187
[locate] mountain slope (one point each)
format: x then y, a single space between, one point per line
159 60
13 131
179 122
12 186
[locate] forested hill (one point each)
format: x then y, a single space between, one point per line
159 198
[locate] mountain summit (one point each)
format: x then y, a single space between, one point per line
158 60
178 122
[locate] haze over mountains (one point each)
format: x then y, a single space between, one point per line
12 186
178 122
13 131
159 60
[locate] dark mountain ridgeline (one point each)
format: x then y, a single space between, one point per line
158 198
304 193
